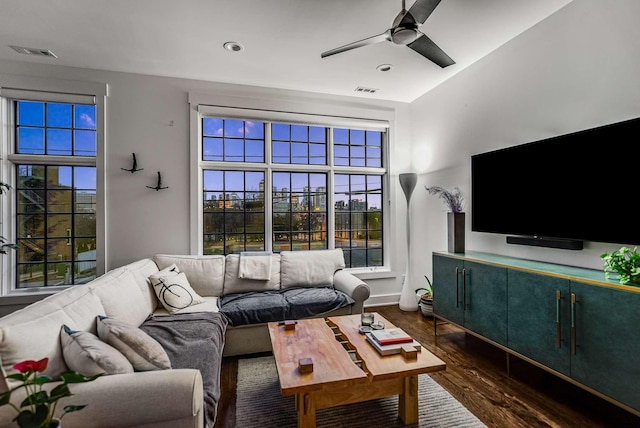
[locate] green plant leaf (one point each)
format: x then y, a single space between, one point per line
39 397
73 408
59 391
28 419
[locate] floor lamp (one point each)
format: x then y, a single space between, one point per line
408 298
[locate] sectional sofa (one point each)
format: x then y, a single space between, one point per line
127 309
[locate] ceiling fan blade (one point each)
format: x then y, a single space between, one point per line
425 47
386 36
421 9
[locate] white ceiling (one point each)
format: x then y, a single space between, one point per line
283 39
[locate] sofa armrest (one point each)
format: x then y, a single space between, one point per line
353 286
132 399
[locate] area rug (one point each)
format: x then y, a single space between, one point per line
259 404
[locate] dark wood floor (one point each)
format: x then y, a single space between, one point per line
476 375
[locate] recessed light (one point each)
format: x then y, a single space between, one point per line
233 47
384 67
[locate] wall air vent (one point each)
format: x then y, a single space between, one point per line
33 51
366 90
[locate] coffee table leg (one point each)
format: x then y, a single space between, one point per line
306 410
408 401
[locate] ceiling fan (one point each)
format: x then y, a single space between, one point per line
404 31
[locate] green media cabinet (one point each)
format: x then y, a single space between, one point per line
569 321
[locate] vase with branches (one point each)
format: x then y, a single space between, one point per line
454 201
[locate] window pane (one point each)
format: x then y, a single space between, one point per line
58 134
85 117
56 225
30 141
30 113
60 201
358 219
299 217
212 127
58 142
296 141
59 115
31 275
213 149
234 211
84 143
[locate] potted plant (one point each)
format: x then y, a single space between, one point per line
625 263
454 201
37 410
426 298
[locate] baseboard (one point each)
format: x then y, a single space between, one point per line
536 241
382 300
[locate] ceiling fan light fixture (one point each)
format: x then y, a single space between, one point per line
233 47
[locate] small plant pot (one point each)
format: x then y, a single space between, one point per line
426 306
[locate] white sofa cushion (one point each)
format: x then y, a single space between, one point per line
310 268
173 289
143 351
33 333
233 284
26 336
205 273
121 296
86 354
142 270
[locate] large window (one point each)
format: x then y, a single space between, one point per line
51 146
279 185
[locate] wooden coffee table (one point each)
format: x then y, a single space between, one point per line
346 368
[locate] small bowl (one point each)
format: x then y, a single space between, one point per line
365 329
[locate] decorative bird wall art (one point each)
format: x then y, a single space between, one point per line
134 168
159 185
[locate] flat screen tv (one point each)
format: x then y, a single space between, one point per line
576 187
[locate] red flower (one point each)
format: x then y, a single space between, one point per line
30 365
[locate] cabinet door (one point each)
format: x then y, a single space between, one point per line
607 341
484 298
539 322
447 300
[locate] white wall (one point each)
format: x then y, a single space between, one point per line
149 115
578 69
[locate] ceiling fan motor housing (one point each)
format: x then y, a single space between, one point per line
404 35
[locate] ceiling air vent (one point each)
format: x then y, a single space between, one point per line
33 51
366 90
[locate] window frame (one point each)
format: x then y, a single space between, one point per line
309 114
48 90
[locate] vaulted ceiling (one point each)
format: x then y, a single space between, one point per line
282 39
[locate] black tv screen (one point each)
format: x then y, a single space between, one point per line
580 186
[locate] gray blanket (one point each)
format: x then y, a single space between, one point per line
194 341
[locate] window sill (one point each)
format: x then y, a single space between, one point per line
17 297
372 273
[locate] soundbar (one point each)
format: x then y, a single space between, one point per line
540 241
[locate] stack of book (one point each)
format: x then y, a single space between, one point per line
390 341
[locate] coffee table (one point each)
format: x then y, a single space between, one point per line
346 368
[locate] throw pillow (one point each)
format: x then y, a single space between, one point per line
86 354
173 290
143 352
